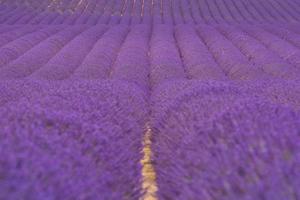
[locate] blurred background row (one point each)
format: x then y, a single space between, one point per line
148 11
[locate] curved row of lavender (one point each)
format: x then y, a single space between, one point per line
153 54
71 141
216 83
215 140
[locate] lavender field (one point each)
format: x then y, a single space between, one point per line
150 99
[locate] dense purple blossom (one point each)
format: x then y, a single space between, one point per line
73 144
149 99
233 146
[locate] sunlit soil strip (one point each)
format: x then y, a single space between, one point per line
149 184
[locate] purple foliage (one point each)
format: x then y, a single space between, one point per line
64 63
19 46
132 62
232 61
39 55
97 64
265 59
215 142
198 61
164 55
73 145
149 99
283 48
16 33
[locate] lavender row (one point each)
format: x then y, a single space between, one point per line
16 33
195 52
39 55
177 14
106 12
212 141
285 16
245 12
65 62
284 49
147 18
132 63
198 61
195 11
136 18
97 64
25 19
117 12
14 49
256 52
284 34
283 92
73 140
126 15
205 12
236 13
235 65
5 16
186 12
44 17
166 13
156 10
225 11
7 28
214 11
164 56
